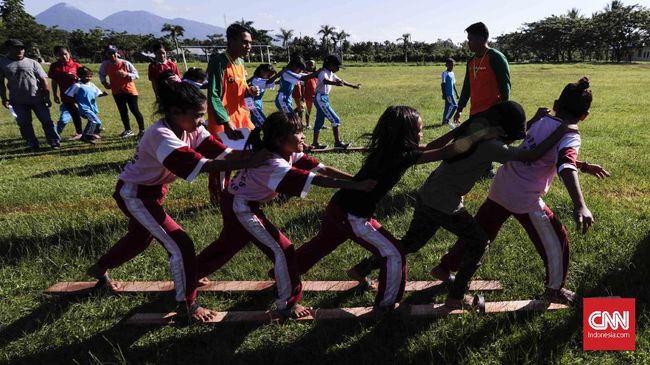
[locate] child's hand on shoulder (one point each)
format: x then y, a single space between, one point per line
260 158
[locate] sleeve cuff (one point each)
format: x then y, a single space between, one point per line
307 185
569 166
223 154
196 170
317 168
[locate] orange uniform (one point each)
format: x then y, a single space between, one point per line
487 82
227 89
310 92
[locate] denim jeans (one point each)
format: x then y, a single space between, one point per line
24 119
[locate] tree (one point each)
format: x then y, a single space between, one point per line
216 39
285 36
620 27
406 41
260 36
174 31
339 39
326 32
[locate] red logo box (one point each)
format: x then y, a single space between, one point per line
608 324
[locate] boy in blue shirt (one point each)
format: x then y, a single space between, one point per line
85 94
449 93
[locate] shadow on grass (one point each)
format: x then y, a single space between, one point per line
12 153
87 170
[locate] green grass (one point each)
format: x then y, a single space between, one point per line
57 216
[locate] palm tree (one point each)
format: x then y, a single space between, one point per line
339 38
174 31
406 40
285 36
327 31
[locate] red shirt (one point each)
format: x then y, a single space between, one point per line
64 74
156 68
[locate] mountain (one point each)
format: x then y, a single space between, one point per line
69 18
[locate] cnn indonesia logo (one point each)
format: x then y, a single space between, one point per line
609 324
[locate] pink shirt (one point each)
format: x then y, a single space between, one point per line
161 156
262 184
519 186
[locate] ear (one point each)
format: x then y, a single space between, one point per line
583 116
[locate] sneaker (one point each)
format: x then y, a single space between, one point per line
318 146
307 127
127 133
96 136
451 125
56 146
140 134
76 137
341 145
88 139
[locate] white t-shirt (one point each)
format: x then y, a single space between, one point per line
325 74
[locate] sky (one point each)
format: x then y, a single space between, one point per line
365 20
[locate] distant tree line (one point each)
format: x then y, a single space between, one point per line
612 34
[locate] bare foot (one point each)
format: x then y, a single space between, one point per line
203 281
202 315
440 273
103 279
560 296
465 302
363 280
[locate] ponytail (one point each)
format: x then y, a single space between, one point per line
575 99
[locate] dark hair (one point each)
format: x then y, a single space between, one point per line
331 60
84 71
478 29
508 115
297 61
275 130
156 46
265 67
395 133
195 74
174 93
235 30
575 99
450 60
58 49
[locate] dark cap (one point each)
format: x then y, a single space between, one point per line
110 49
14 43
332 60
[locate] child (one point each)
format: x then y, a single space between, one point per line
449 93
518 187
394 147
263 78
121 74
160 64
291 76
440 199
85 93
289 172
175 146
196 76
326 78
299 98
63 73
310 91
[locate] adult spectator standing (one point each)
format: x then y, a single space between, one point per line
487 76
63 73
28 91
227 88
122 74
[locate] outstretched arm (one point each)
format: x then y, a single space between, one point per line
335 173
460 146
550 141
329 182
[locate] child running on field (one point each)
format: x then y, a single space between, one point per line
518 188
440 199
85 94
177 145
326 78
263 78
289 172
394 148
291 75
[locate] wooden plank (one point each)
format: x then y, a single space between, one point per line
338 150
419 310
229 286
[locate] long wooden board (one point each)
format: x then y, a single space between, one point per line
338 150
420 310
229 286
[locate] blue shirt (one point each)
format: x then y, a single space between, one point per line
449 80
288 82
85 95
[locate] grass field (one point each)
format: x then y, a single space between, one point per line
57 216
